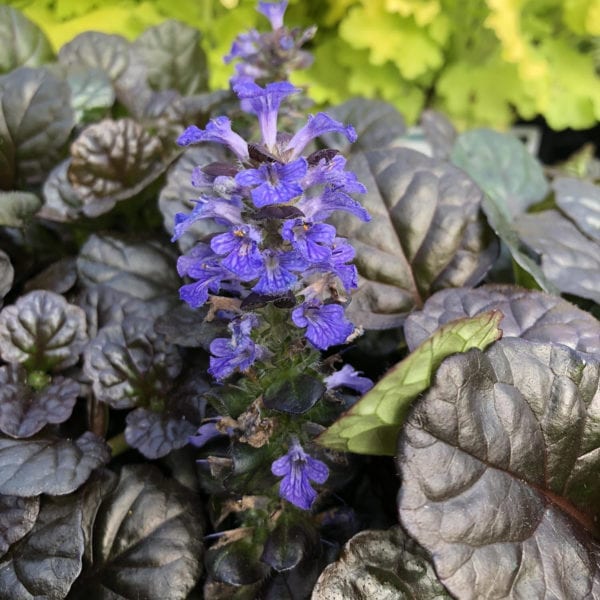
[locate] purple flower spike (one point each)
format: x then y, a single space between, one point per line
318 125
265 104
298 469
202 264
245 46
237 353
275 183
274 11
217 130
325 323
348 377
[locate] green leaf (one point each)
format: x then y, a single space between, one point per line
16 208
172 54
23 43
372 425
500 164
92 92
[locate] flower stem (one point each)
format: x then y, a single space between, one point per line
118 444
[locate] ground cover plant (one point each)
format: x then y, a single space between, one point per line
250 349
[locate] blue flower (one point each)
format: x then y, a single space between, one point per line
206 432
317 125
202 264
278 275
240 245
350 378
223 212
325 323
245 46
298 469
275 182
319 208
341 253
217 130
265 103
312 240
237 353
332 173
274 11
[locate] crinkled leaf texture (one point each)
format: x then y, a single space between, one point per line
61 201
17 517
426 234
46 562
49 465
113 161
25 411
381 565
529 314
155 434
145 541
569 259
372 425
42 331
145 270
499 464
130 364
35 122
172 54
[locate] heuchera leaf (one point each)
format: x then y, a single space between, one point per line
377 124
112 161
49 465
172 54
570 260
145 270
532 315
23 43
46 562
372 425
35 123
498 463
129 364
7 274
17 517
42 331
386 565
24 411
17 208
580 201
426 234
146 540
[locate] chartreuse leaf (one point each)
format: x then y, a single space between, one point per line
372 425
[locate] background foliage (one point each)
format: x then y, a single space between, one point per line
481 63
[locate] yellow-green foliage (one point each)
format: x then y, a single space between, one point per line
483 62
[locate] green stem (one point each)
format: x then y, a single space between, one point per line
118 444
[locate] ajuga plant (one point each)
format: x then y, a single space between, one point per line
249 352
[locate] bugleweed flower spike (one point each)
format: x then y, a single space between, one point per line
276 272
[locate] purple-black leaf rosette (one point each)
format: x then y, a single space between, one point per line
272 202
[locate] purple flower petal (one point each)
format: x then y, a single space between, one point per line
350 378
298 469
277 276
312 240
206 432
240 245
274 11
217 130
265 104
321 207
318 125
325 324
